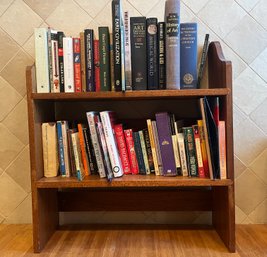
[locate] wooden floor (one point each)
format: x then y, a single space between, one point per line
137 241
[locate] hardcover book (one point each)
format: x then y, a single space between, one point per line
61 153
68 64
128 64
148 150
83 69
156 140
61 60
55 85
188 55
222 150
139 153
162 55
77 64
144 152
97 65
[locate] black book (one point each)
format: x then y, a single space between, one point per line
162 55
60 60
152 53
89 60
139 153
138 52
203 60
116 26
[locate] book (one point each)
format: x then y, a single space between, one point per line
123 82
139 153
77 64
165 143
50 149
182 153
104 58
61 151
55 85
68 64
116 28
172 19
61 60
188 53
152 53
50 59
83 70
162 55
148 150
97 65
41 60
144 152
108 121
127 43
112 81
222 150
138 53
71 153
203 60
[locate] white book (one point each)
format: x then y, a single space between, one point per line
91 116
144 152
107 120
41 60
55 87
123 81
68 64
64 128
50 150
127 43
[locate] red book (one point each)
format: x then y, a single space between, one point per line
128 133
77 64
122 148
97 65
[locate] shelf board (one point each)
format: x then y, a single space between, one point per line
129 181
131 95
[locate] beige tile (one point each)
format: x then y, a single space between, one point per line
247 221
93 7
259 13
158 10
11 195
247 4
259 65
69 17
43 8
259 166
240 216
249 142
8 48
221 16
1 219
196 6
259 116
15 71
22 214
250 191
4 4
1 171
9 98
19 170
13 26
238 117
17 122
204 218
252 36
239 167
248 81
143 6
259 215
10 147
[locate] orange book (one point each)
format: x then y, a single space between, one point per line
222 149
85 161
77 64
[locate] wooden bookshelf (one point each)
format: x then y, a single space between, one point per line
131 192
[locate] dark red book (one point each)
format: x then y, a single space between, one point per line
97 65
77 64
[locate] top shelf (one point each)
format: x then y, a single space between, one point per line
131 95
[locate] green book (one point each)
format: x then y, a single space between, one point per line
105 84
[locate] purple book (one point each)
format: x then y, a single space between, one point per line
165 142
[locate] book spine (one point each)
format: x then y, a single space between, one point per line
139 153
97 65
190 150
138 53
128 64
119 134
95 142
41 60
222 150
203 60
165 143
112 81
106 118
55 69
65 127
148 150
85 161
162 55
131 151
156 138
200 166
116 26
182 152
61 60
123 82
61 150
71 153
104 58
68 64
188 55
152 53
144 152
77 64
89 59
83 70
172 19
50 58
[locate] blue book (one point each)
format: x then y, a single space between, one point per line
61 149
188 52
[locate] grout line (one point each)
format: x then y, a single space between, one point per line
7 7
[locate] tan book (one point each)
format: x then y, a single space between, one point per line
222 149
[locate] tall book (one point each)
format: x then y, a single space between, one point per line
144 151
104 58
83 70
139 153
77 64
50 149
157 146
123 82
108 121
138 53
162 55
152 53
61 152
61 60
116 27
222 150
50 58
188 55
127 43
97 65
89 59
68 64
172 19
41 60
55 86
165 143
112 81
148 150
203 60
